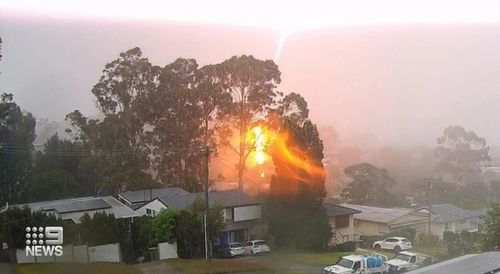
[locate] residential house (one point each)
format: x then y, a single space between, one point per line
484 263
341 219
379 220
137 198
74 208
242 213
448 217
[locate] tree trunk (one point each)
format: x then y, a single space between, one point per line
241 165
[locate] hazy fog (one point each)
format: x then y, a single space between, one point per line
398 85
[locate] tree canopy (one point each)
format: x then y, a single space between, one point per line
491 237
369 185
460 153
295 212
17 133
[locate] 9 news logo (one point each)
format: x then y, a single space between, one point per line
44 241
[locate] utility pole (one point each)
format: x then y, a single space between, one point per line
429 215
207 151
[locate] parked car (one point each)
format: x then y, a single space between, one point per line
393 243
257 246
230 250
357 264
403 261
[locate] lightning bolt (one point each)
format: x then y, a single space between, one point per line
279 48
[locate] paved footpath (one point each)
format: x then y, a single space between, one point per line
6 268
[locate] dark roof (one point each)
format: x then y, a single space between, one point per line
146 195
448 213
471 263
335 210
74 206
231 198
390 216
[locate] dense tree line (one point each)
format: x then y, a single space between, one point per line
154 119
457 177
294 209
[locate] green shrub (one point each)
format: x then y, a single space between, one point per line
449 236
349 246
164 225
423 239
366 241
408 233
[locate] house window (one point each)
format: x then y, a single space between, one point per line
342 221
148 211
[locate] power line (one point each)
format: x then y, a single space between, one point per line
88 152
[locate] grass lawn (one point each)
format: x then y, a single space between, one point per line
285 262
93 268
200 266
310 259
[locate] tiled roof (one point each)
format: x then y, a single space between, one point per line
146 195
333 210
75 208
230 198
391 216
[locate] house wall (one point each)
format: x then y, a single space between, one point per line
460 225
343 234
364 227
419 227
436 229
240 224
154 207
76 216
244 213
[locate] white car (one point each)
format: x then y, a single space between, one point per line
393 243
236 249
257 246
404 261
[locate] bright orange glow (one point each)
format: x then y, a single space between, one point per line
260 139
260 156
300 165
276 152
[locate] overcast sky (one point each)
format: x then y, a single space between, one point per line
393 83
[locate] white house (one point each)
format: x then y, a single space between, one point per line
242 213
74 208
341 219
448 217
137 198
378 221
